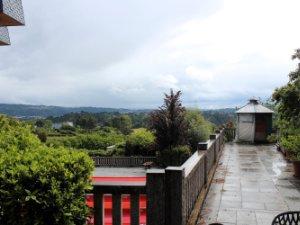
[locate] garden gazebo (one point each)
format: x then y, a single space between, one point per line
254 122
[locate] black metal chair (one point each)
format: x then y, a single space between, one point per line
287 218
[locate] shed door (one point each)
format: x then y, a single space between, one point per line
246 127
261 127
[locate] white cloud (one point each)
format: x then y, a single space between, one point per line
122 56
199 74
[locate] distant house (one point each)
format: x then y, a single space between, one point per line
59 125
254 122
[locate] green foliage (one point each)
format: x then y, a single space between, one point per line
220 116
116 150
272 138
42 134
287 99
40 185
199 129
66 127
175 156
169 122
122 123
140 142
86 121
92 141
291 143
47 124
15 134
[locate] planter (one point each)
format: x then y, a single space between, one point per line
296 165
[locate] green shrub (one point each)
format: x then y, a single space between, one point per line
175 156
199 129
292 145
41 134
272 138
93 141
40 185
15 134
140 142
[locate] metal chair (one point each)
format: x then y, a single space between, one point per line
287 218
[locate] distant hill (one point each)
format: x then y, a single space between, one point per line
30 111
220 116
216 116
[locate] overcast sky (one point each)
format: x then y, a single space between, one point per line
126 53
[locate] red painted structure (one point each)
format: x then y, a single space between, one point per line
125 205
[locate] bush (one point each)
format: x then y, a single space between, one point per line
14 134
272 138
40 185
140 142
41 134
175 156
93 141
292 145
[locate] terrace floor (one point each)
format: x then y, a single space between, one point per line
252 184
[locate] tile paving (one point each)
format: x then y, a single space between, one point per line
252 184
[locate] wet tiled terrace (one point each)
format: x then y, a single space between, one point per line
252 185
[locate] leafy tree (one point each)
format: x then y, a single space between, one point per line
86 121
287 99
122 123
39 123
140 142
47 124
169 122
40 185
199 129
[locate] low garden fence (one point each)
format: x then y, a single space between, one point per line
171 193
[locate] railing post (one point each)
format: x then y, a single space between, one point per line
213 137
175 199
116 198
202 146
135 208
155 189
98 206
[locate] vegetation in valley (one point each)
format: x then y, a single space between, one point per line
117 134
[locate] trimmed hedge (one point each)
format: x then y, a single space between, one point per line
38 184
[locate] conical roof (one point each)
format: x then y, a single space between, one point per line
254 107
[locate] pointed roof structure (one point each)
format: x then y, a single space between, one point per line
254 106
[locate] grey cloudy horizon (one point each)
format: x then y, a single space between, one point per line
126 54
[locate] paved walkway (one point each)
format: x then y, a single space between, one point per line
252 185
